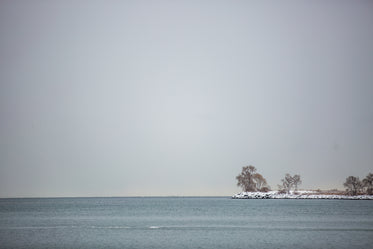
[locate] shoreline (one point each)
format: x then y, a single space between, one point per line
300 195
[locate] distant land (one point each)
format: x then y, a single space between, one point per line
255 186
304 194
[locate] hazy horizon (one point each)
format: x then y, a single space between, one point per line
173 98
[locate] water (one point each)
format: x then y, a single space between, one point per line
184 223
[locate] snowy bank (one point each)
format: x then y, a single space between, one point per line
298 195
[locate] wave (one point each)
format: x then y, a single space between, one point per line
154 227
110 227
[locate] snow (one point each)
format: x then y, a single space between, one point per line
298 195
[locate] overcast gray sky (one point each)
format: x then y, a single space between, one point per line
121 98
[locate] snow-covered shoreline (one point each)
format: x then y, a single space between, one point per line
299 195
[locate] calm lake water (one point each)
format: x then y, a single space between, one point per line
184 223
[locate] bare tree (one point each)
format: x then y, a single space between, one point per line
287 183
297 181
353 185
290 182
246 179
260 181
251 181
368 184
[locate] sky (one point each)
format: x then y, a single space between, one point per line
164 98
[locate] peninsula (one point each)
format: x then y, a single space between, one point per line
299 195
255 186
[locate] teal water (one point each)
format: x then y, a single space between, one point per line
184 223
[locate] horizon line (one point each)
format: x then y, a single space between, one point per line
137 196
115 196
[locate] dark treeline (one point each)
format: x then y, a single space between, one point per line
251 181
354 186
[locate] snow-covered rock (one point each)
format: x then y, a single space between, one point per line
298 195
